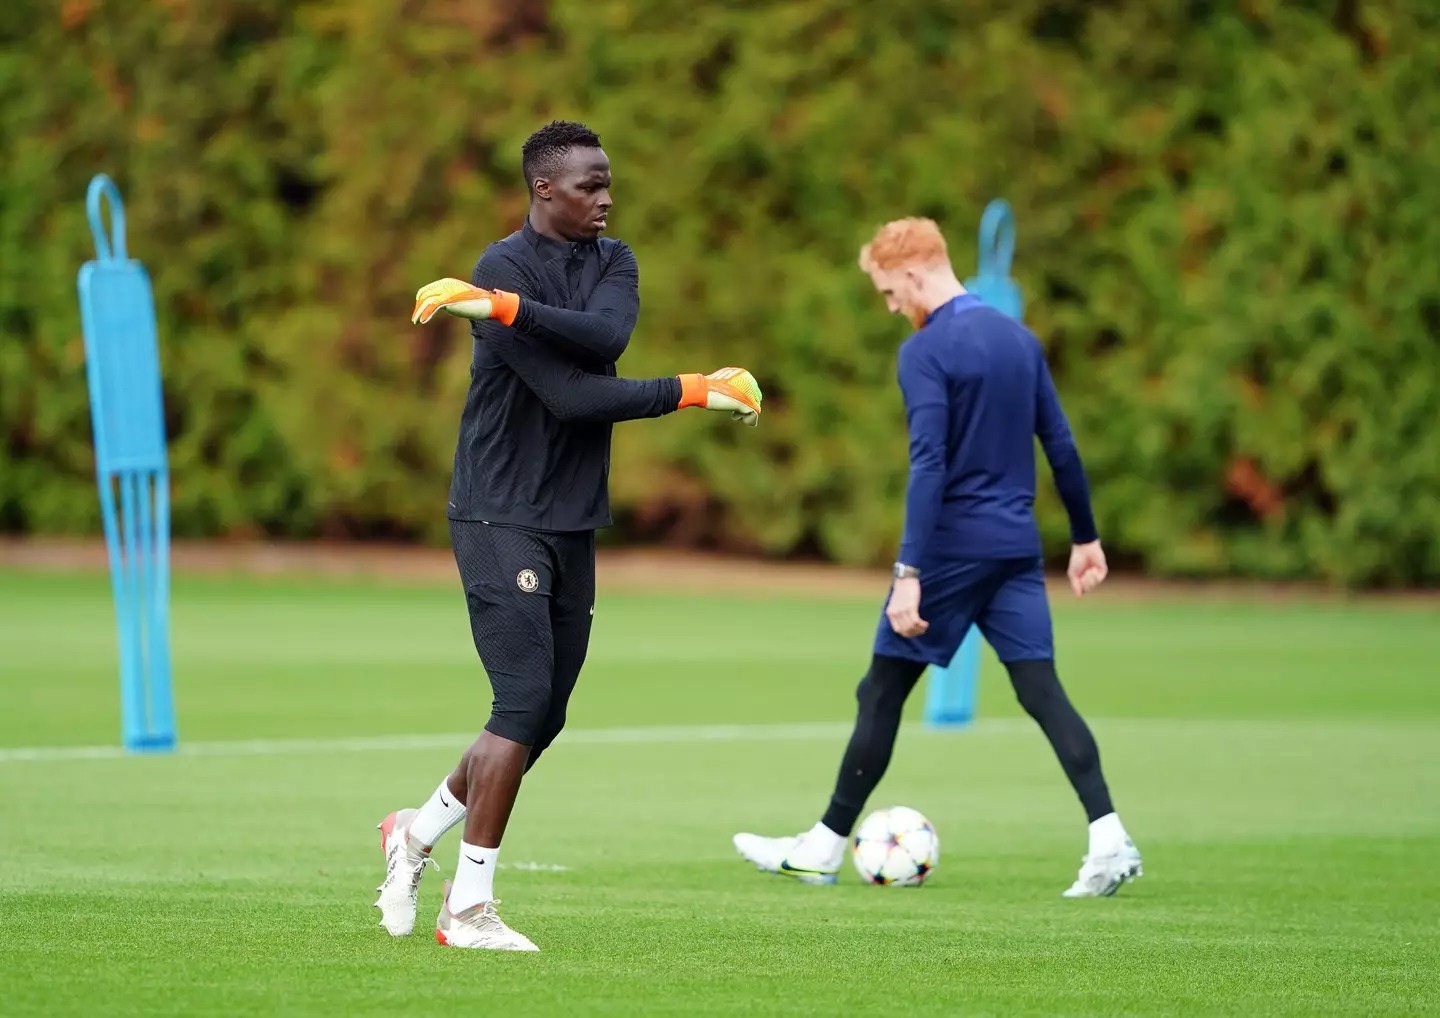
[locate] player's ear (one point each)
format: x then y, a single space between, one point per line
543 189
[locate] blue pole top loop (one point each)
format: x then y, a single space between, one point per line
100 185
997 239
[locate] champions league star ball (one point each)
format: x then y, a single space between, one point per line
895 847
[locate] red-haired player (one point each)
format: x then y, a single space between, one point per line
977 393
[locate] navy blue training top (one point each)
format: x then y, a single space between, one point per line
977 394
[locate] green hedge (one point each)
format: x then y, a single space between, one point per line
1229 227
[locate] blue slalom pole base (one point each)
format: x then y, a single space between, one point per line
151 744
958 719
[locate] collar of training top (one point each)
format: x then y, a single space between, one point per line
952 305
549 247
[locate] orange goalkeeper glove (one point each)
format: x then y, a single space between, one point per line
732 389
462 300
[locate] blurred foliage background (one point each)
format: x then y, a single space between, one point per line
1228 234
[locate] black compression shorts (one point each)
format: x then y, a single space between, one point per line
531 596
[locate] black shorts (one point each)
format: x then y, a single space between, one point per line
531 597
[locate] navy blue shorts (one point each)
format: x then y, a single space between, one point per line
1004 597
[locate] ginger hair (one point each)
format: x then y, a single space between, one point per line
903 244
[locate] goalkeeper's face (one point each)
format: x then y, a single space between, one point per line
902 290
579 194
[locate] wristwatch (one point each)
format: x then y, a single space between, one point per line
904 572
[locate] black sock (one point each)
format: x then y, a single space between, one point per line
1038 689
881 695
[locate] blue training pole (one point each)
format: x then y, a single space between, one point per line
951 691
122 368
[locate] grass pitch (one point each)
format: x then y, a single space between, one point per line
1279 766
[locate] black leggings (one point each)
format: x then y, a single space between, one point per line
882 694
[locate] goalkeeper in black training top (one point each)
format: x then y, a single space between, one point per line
552 307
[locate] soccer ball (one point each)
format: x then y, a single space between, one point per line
895 847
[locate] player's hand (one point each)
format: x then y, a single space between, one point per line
1087 568
459 298
732 389
903 611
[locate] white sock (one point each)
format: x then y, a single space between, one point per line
826 842
474 877
437 816
1107 834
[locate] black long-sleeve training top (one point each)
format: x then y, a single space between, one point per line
534 448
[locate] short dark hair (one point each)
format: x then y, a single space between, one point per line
544 152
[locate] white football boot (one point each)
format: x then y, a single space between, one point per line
478 926
1101 875
802 857
404 866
